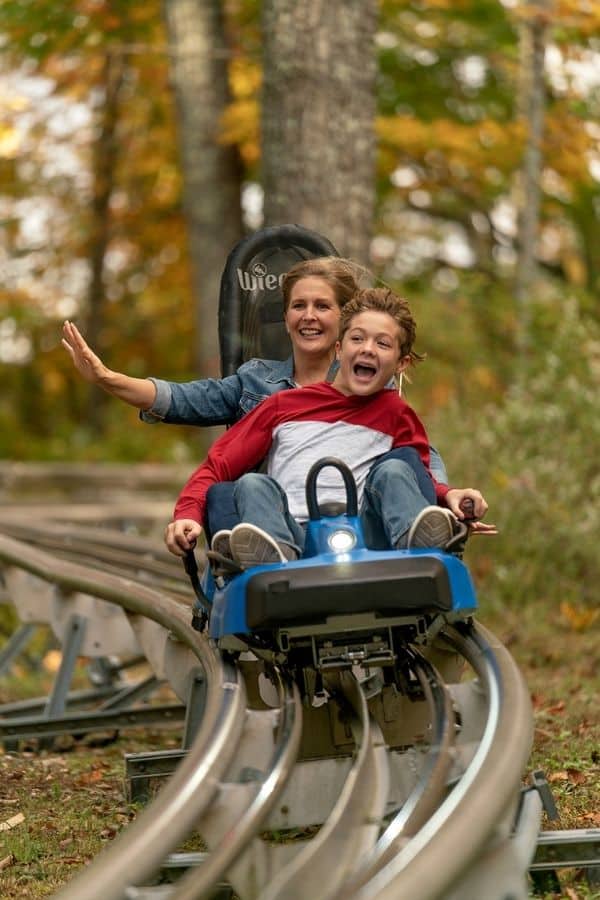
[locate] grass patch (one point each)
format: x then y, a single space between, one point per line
73 804
560 660
560 666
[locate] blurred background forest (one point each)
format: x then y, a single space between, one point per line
458 156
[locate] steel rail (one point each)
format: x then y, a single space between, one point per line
99 556
289 731
199 883
367 867
354 822
68 477
468 820
124 564
107 550
431 787
114 511
136 855
22 529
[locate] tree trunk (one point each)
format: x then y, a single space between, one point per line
105 154
532 101
211 172
318 116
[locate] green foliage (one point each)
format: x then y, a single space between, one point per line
44 412
420 59
533 455
448 123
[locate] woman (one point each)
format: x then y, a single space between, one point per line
311 322
314 292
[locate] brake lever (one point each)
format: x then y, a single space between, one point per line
468 508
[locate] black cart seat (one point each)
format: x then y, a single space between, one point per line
250 299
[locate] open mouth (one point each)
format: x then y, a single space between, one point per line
310 332
364 371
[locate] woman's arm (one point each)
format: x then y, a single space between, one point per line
138 392
203 402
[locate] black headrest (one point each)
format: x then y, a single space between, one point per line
250 300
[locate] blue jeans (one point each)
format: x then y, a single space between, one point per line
391 501
221 511
411 456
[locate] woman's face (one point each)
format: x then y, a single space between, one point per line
312 318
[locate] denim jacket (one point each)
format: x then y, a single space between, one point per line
219 401
223 401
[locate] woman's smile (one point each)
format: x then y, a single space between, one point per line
313 316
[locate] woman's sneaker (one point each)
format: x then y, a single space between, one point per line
433 527
251 546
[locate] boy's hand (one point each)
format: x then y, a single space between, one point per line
84 359
181 536
466 503
469 506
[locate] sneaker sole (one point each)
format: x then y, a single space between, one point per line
434 530
221 543
254 547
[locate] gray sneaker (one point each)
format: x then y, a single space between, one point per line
251 546
433 527
221 543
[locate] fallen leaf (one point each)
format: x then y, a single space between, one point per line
556 708
90 777
593 818
12 822
558 776
6 862
52 660
578 618
575 776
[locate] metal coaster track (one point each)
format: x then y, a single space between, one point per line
443 830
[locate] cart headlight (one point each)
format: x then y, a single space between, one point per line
341 541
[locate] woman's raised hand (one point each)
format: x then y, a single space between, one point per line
138 392
84 359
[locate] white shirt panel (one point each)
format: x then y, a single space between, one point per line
297 445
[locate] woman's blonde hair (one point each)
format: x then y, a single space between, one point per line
342 275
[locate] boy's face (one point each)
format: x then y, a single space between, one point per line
369 354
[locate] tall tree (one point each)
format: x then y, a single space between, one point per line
104 155
318 111
211 170
534 29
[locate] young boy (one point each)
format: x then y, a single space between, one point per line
354 419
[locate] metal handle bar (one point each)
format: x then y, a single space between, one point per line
349 484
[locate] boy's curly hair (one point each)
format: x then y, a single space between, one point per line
386 301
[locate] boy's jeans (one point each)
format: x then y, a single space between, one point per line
221 511
395 492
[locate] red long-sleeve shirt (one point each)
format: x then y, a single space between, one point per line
293 429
